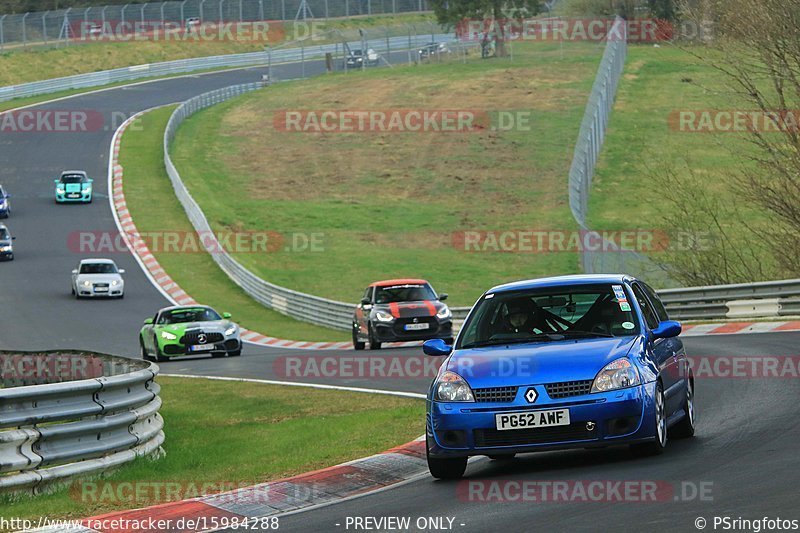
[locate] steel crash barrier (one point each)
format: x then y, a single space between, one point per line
69 414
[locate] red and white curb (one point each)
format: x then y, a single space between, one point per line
738 328
159 277
314 489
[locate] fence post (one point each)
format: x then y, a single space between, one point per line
394 7
24 31
44 25
369 7
202 14
346 8
221 3
183 13
241 12
103 16
161 12
122 14
283 9
260 9
326 9
2 37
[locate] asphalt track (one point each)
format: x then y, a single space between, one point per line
746 445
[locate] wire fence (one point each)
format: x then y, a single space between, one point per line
65 26
610 258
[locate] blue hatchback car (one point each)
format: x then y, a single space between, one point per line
558 363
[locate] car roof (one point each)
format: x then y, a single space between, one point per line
562 281
104 261
178 307
404 281
67 172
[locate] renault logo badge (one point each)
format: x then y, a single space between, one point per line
531 395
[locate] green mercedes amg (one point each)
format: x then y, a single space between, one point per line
189 330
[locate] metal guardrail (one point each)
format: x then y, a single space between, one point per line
64 26
51 432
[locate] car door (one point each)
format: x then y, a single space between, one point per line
663 350
675 344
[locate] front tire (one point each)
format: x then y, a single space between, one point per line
685 428
659 442
373 343
358 345
445 468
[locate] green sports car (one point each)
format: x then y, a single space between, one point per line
189 330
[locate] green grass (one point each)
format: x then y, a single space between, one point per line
260 433
154 208
389 204
641 143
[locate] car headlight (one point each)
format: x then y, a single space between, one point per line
383 317
60 190
451 387
618 374
114 283
168 336
230 331
86 283
5 248
443 313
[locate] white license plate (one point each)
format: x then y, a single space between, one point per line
413 327
101 289
201 347
73 195
532 419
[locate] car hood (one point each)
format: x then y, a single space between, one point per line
531 364
411 309
99 278
207 326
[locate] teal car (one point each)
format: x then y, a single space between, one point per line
74 186
189 330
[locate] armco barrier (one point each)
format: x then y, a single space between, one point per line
50 432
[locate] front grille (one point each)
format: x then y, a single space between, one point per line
568 388
101 285
495 394
400 323
192 337
485 438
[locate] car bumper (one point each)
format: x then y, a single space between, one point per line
617 417
83 292
391 333
5 256
3 212
64 199
177 349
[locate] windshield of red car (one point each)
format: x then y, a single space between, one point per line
404 293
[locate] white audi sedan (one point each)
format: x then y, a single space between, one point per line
98 278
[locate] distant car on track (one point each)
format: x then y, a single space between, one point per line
559 363
401 310
74 186
356 58
6 244
433 49
5 203
97 278
189 330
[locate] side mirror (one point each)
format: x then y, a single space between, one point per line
666 329
91 180
148 321
121 270
56 181
365 301
443 297
226 315
436 347
75 271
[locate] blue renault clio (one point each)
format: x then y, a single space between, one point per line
558 363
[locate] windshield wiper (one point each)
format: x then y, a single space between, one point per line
500 342
587 333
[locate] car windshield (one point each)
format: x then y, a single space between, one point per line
550 314
98 268
4 234
73 178
195 314
410 292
